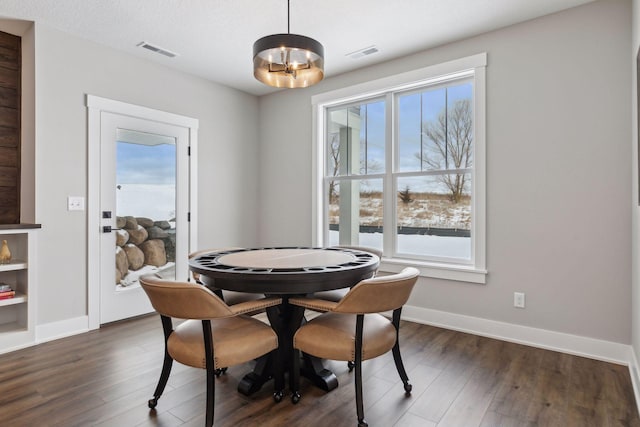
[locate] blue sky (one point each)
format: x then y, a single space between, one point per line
412 115
433 102
145 164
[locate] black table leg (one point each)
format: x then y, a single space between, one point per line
313 370
263 371
254 380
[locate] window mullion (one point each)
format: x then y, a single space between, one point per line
389 201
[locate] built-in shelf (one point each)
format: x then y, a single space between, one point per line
4 227
13 265
13 329
17 299
17 314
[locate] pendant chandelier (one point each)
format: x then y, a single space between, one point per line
288 60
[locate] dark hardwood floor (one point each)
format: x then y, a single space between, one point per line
105 378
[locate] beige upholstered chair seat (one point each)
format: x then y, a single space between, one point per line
237 340
332 336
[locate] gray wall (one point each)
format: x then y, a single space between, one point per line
635 211
67 68
558 179
559 175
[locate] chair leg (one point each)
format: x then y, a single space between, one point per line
358 367
211 372
294 377
211 393
359 398
400 367
397 358
162 382
167 327
278 374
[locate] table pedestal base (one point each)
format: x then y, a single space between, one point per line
285 320
321 377
311 369
254 380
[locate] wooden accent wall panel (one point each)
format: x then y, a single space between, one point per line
10 71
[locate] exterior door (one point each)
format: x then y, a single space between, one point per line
144 209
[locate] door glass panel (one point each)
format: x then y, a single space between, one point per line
145 206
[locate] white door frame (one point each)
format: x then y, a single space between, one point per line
96 105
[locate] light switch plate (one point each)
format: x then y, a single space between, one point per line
75 203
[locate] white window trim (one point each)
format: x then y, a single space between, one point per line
475 273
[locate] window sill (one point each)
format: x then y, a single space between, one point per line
437 271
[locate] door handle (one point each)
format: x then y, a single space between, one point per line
108 229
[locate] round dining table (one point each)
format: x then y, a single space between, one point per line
285 272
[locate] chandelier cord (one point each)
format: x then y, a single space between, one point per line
288 16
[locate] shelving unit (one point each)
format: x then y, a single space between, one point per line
17 314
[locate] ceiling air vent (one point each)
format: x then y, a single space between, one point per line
363 52
157 49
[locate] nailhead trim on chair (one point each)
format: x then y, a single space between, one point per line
250 306
315 304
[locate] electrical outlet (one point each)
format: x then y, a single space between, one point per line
518 299
75 203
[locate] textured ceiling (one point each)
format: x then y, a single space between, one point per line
214 38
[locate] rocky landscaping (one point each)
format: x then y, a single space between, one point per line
142 242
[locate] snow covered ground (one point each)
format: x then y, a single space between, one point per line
157 202
455 247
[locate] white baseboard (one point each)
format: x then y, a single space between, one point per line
557 341
61 329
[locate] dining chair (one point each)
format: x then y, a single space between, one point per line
336 295
214 335
354 329
229 297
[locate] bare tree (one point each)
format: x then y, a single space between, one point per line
447 144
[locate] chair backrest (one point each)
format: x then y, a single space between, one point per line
183 300
381 293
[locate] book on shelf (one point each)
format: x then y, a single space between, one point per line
7 294
4 287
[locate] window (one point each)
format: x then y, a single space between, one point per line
400 167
